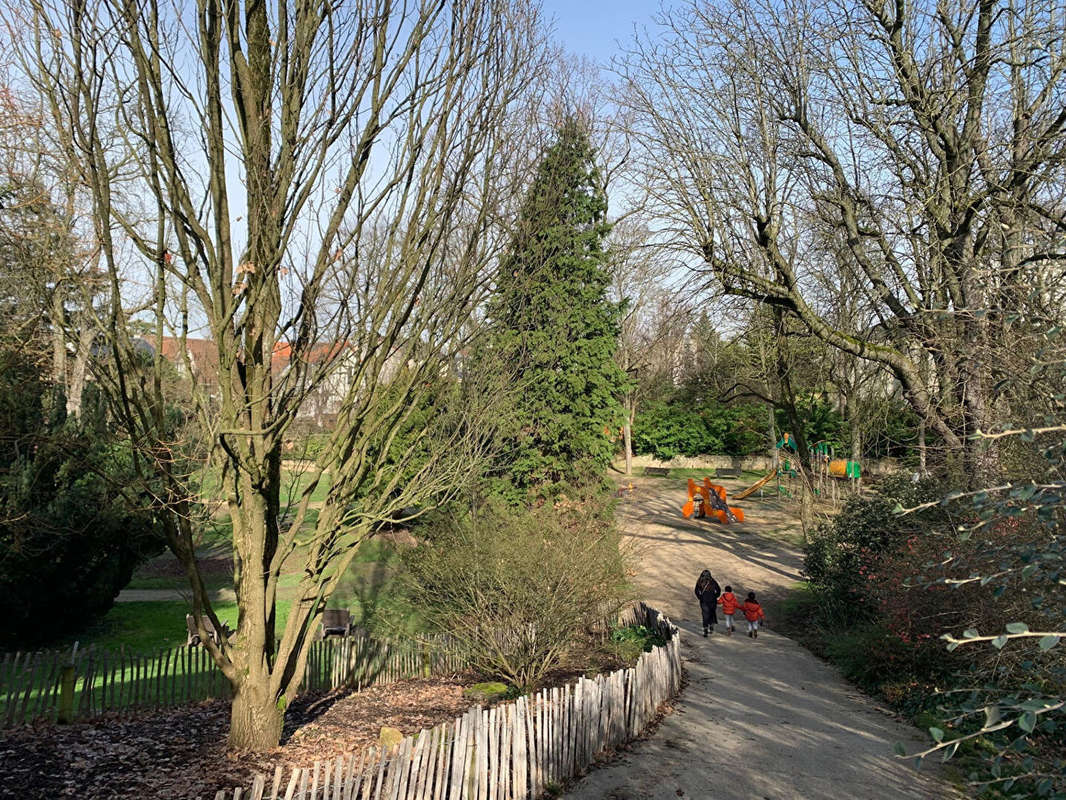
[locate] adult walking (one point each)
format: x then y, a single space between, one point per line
707 591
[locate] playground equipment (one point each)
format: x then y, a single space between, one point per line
765 479
830 473
710 497
784 464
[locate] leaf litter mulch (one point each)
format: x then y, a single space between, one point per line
181 753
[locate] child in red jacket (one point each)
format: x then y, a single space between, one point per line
728 601
752 613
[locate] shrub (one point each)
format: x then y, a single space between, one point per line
70 534
666 431
687 428
821 421
520 588
314 445
872 656
845 557
629 641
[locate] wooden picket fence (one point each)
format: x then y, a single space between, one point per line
512 751
78 684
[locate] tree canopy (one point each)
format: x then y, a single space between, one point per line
553 326
340 204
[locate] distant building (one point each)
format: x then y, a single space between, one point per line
324 390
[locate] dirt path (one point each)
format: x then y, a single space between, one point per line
758 719
170 595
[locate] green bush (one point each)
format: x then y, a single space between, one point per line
842 553
314 445
519 588
677 427
640 635
871 656
896 433
821 421
71 533
629 641
666 431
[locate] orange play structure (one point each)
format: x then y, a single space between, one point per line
710 500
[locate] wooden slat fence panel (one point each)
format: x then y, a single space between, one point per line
123 681
509 752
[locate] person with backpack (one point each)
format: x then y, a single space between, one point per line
729 603
707 592
753 614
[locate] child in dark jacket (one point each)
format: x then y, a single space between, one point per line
753 614
708 590
729 603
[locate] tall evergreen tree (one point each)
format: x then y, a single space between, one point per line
554 327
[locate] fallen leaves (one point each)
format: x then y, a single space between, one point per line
179 753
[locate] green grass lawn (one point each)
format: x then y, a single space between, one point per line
178 583
293 484
370 589
148 627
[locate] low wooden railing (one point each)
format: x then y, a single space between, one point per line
78 684
512 751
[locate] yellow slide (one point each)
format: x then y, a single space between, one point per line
765 479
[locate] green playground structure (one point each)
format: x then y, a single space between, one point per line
832 475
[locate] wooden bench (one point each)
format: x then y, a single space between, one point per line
661 472
336 622
726 472
193 635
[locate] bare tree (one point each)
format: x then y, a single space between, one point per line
318 180
50 287
916 147
655 314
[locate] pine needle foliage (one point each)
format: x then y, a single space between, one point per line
554 328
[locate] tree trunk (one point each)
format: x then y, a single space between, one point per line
787 401
923 468
57 321
851 401
255 719
980 457
808 516
627 435
772 431
76 384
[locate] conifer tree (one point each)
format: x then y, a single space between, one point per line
554 328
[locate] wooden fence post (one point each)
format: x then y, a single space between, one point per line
67 680
68 677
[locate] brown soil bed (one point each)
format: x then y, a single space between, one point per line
181 753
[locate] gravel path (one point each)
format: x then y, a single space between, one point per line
758 719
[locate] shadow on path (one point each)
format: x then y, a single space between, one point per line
759 718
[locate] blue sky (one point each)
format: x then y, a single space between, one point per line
592 27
